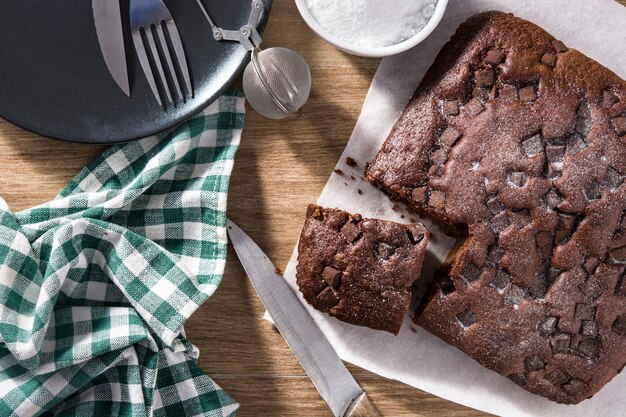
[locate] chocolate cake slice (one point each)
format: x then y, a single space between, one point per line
517 144
359 270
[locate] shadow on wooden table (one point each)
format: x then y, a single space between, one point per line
239 350
27 157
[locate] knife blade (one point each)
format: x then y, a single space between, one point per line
344 396
108 22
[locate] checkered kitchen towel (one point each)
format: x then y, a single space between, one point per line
95 285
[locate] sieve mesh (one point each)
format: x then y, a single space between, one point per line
287 82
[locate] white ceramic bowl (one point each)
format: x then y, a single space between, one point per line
368 51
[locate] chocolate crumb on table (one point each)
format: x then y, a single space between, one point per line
359 191
359 270
351 162
521 153
338 171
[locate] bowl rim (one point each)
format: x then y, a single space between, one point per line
373 52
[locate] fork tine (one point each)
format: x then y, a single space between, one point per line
157 60
177 43
167 53
145 63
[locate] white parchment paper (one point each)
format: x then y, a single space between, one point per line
595 27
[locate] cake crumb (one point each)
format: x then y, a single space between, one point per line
359 191
413 329
402 216
352 177
351 162
338 171
395 207
278 270
412 220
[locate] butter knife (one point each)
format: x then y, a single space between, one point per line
344 396
108 22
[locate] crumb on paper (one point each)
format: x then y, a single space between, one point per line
413 329
278 270
412 220
359 191
395 207
352 177
402 216
338 171
351 162
345 183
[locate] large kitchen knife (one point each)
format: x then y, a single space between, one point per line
108 20
331 378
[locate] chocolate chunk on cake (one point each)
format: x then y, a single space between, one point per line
359 270
517 144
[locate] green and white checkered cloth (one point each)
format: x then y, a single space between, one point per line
96 285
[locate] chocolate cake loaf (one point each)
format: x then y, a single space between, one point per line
359 270
517 144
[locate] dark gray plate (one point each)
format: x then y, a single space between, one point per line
54 81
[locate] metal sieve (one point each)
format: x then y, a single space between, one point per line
277 81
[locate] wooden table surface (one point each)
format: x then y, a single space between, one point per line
280 168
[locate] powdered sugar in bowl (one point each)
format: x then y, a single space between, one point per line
372 28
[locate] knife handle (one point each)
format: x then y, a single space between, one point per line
362 407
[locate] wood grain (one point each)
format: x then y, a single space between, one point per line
280 168
362 407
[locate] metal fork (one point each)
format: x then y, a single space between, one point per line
150 21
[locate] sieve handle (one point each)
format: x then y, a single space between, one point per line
247 35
